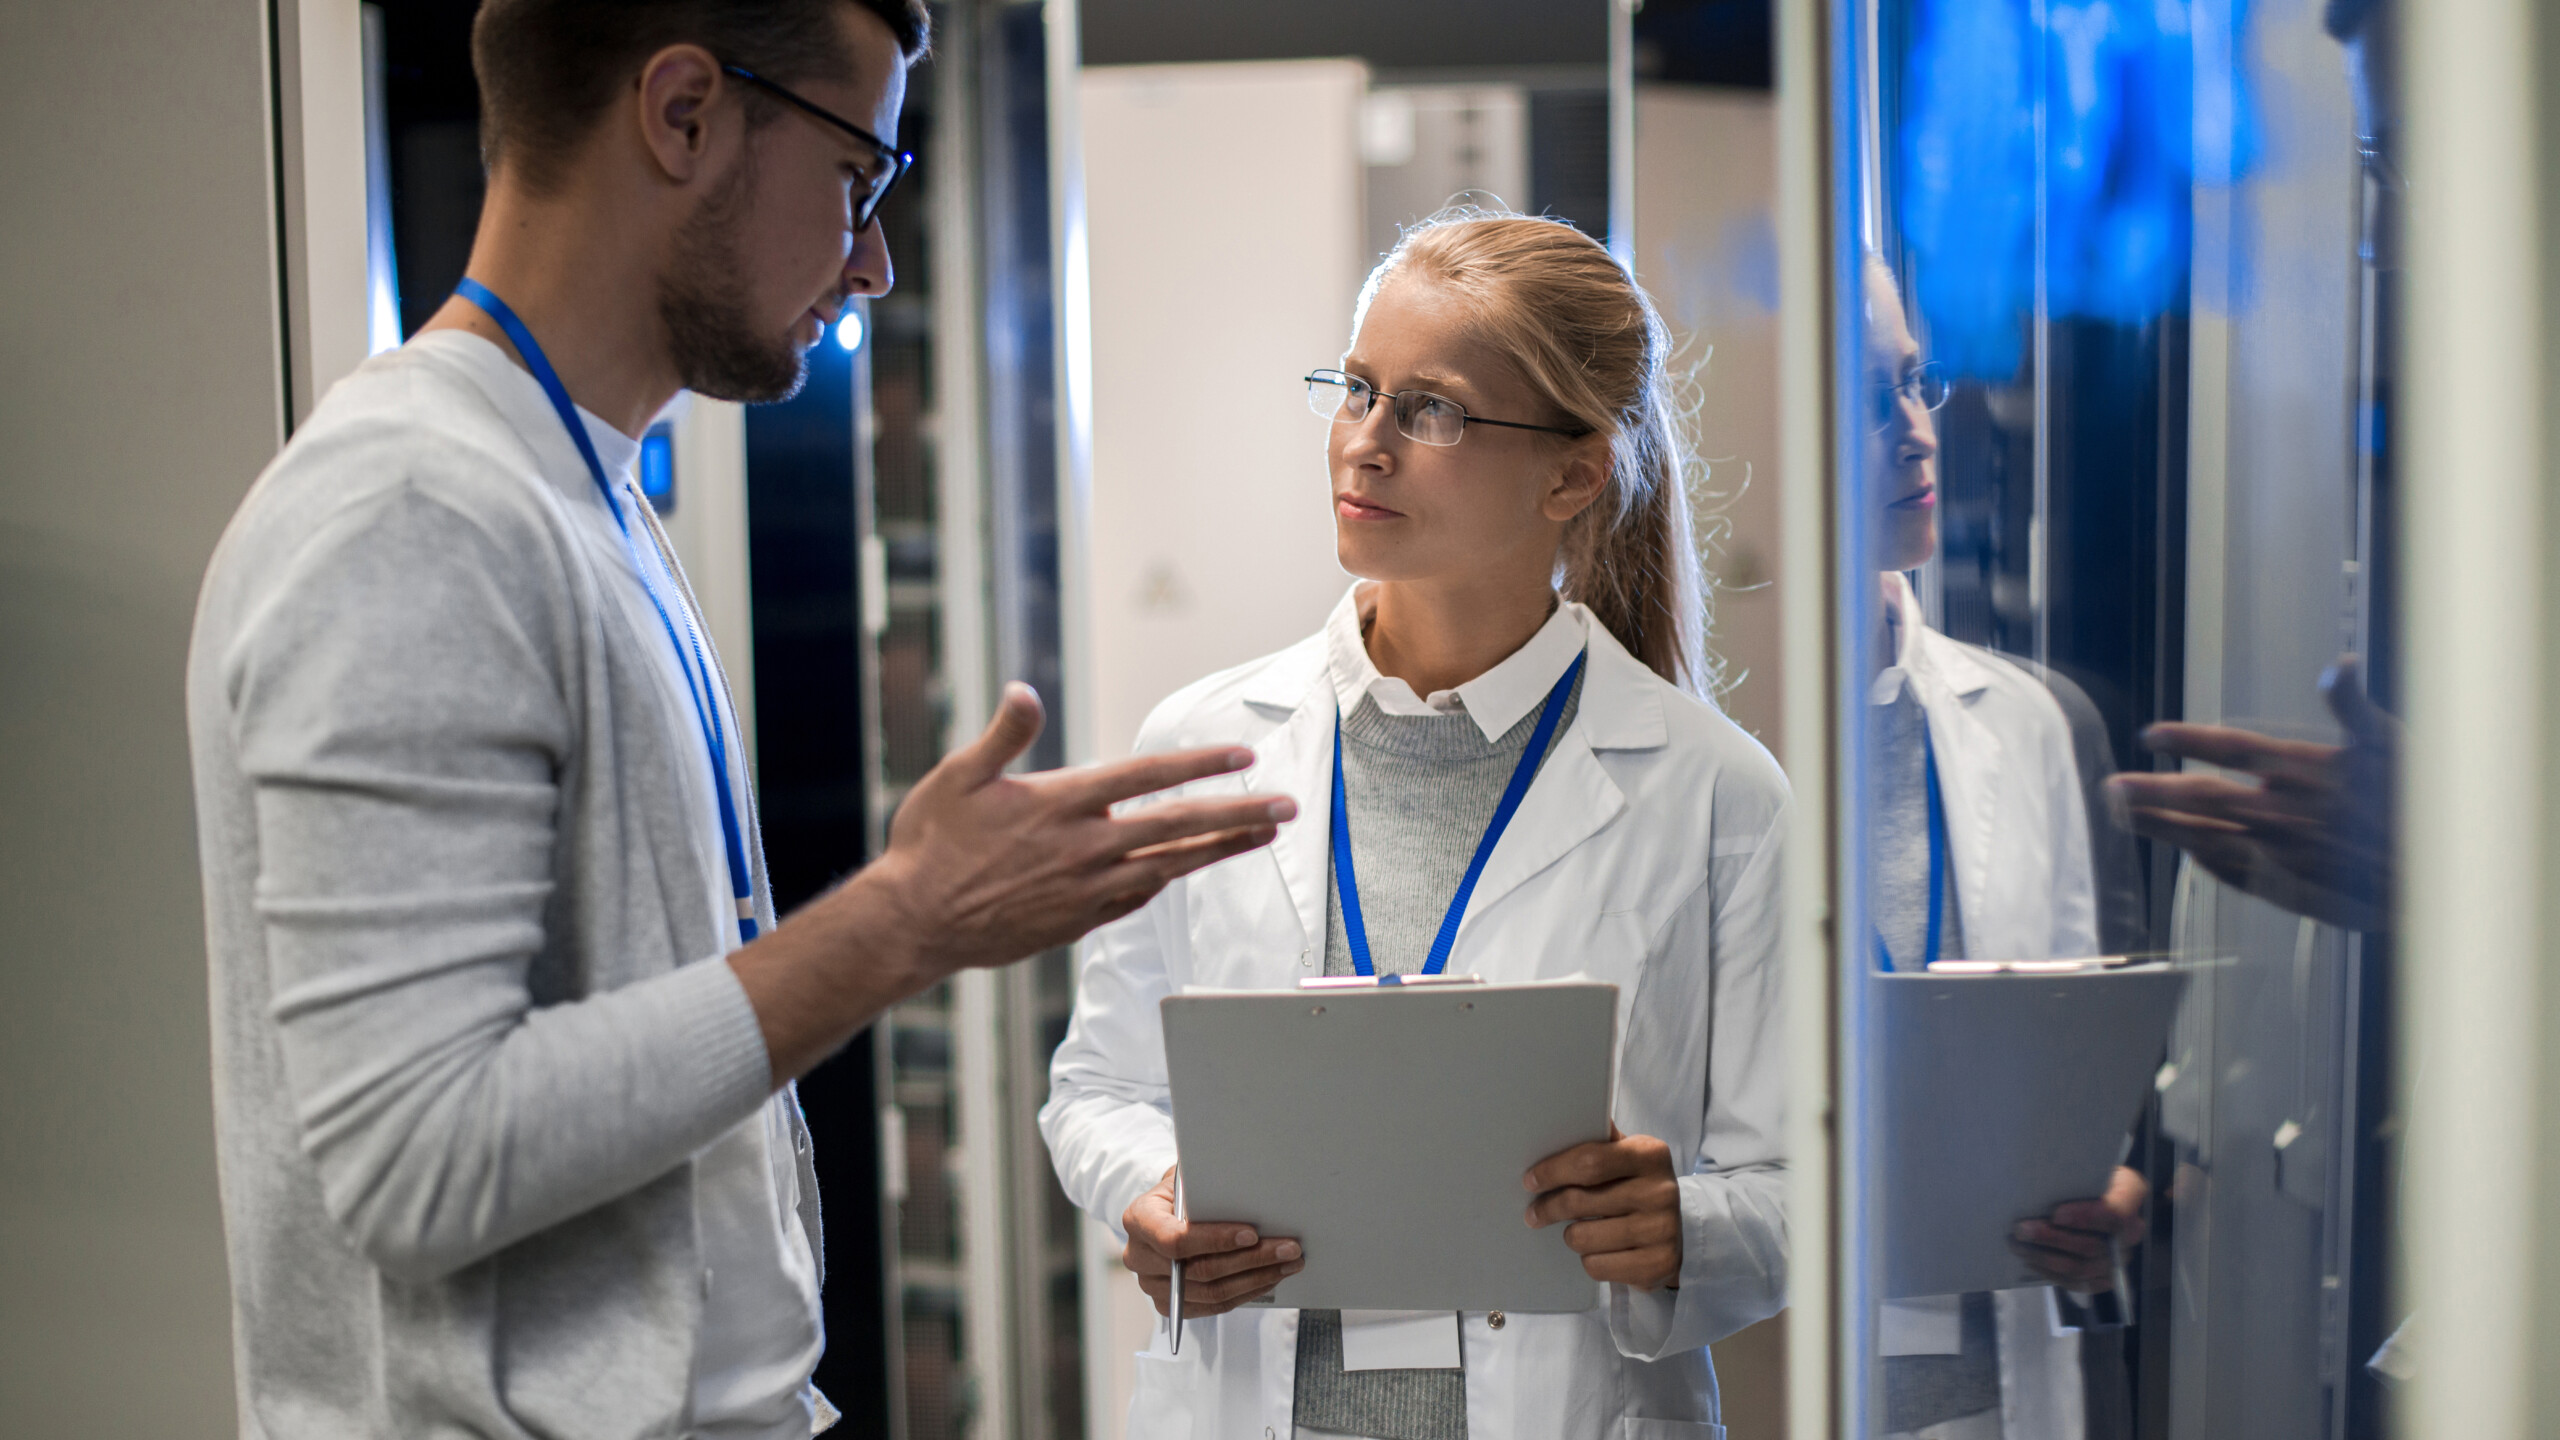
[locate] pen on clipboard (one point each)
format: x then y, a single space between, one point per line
1175 1319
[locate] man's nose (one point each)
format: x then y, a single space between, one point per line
867 268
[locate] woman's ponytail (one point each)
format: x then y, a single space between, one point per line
1583 333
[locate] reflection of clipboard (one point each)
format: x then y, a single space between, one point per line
1388 1128
1999 1097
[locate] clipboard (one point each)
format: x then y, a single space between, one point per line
1999 1097
1387 1129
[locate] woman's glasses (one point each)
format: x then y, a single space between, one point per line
1927 384
1420 415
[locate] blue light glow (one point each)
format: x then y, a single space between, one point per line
2130 127
849 330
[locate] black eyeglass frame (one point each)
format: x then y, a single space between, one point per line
1398 405
900 161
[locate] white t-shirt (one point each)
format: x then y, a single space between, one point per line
762 1328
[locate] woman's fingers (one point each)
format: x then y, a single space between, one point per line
1626 1197
1216 1297
1649 1268
1269 1255
2079 1244
1640 1231
1599 1162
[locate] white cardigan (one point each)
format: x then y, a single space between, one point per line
1646 854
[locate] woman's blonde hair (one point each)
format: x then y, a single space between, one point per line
1586 337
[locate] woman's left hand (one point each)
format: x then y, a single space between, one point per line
1622 1199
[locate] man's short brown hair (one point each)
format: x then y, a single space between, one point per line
548 68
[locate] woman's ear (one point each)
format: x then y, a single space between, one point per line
1582 479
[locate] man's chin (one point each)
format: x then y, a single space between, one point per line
782 382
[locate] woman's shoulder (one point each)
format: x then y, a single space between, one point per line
1688 744
1237 705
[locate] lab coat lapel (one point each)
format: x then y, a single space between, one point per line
1969 755
1297 760
1572 799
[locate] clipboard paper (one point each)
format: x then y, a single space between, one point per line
1387 1129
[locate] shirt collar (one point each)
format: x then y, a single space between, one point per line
1495 700
521 398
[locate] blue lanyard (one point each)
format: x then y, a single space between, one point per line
1348 883
1937 859
698 682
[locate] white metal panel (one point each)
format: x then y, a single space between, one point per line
1224 207
2478 795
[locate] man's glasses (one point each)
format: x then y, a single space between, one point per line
1420 415
891 165
1928 385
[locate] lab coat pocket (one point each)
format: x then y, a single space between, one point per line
1160 1402
1670 1430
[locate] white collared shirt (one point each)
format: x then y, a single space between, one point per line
1495 700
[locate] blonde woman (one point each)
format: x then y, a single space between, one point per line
1508 489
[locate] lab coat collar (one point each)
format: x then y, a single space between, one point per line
1572 799
1496 700
1923 651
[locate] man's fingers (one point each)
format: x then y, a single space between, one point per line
1016 724
1098 787
1152 869
2090 1215
1185 819
2232 747
2194 792
2343 688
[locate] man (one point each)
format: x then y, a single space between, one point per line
504 1031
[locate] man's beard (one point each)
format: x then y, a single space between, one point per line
702 300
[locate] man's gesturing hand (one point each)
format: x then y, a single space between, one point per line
987 867
1223 1265
1622 1198
984 868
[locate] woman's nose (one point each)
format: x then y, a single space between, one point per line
1915 430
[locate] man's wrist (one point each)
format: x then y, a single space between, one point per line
875 936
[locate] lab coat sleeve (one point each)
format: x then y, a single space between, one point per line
1109 1116
1733 1222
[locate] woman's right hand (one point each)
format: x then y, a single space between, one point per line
1223 1265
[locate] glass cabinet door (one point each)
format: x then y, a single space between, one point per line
2112 695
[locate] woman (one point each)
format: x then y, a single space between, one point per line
1507 487
1975 791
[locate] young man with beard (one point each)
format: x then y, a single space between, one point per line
504 1028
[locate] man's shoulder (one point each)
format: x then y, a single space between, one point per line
407 428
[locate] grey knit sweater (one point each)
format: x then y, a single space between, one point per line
471 1029
1420 790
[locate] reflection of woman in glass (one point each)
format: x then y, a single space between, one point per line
1978 847
1507 484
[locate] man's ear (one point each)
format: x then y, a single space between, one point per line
678 87
1582 480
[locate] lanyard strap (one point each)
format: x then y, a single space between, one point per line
700 687
1347 881
1937 859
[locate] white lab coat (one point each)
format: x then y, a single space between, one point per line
2017 829
1645 854
2018 842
